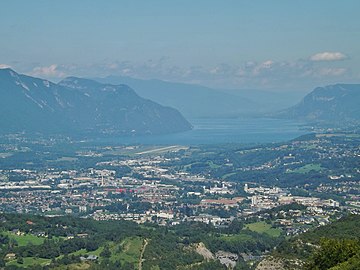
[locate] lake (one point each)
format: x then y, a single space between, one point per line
219 131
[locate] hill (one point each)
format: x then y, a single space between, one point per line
76 105
35 242
195 101
334 104
335 246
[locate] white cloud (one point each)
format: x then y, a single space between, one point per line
267 74
51 71
267 64
2 66
332 71
328 56
264 74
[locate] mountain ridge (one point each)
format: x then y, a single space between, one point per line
196 101
37 105
332 104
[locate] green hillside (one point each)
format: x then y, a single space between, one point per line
36 242
335 246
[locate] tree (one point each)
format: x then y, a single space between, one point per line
235 227
333 252
20 260
106 253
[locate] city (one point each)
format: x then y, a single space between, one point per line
156 185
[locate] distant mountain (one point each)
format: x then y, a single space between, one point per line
333 103
268 101
193 101
79 105
196 101
32 104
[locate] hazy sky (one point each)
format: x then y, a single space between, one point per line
278 44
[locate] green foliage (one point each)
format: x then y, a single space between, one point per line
303 247
121 244
263 227
345 228
352 264
165 251
23 240
20 260
127 251
235 227
333 252
106 252
308 168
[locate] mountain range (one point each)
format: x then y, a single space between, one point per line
80 105
339 103
195 101
110 106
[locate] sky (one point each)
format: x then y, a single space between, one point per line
270 44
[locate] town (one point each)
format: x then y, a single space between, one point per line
161 185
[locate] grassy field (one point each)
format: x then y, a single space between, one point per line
24 240
237 238
29 261
82 252
263 227
74 266
128 251
308 168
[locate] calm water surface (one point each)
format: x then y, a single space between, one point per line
218 131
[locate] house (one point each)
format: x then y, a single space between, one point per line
10 256
89 257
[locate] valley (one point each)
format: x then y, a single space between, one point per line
272 191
